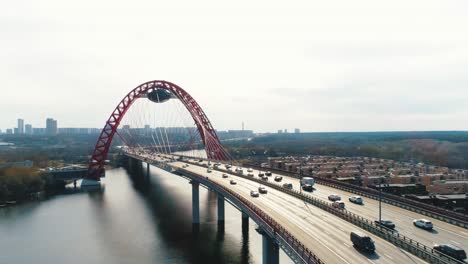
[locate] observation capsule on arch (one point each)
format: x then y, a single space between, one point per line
159 95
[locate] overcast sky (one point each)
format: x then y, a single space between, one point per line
316 65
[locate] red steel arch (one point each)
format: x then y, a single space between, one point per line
213 147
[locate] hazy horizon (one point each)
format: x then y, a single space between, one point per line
318 66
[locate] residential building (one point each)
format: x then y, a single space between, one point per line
51 126
20 126
28 129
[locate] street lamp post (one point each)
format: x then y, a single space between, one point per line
300 177
380 201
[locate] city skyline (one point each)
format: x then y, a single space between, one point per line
313 65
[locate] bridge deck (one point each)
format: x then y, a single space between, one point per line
443 232
326 235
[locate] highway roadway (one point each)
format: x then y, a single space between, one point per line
443 233
326 235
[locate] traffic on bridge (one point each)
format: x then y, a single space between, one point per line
311 222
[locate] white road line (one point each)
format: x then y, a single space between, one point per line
462 236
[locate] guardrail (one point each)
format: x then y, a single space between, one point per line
267 222
401 241
276 230
408 204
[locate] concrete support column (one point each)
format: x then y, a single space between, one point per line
195 203
270 250
220 209
245 222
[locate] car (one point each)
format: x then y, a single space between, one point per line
249 170
262 189
209 170
265 178
362 241
228 166
225 175
229 169
451 250
356 199
268 173
385 223
254 194
233 182
423 223
260 174
250 174
278 178
338 204
334 197
288 186
307 187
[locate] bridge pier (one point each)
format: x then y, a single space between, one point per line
270 250
220 210
195 203
245 222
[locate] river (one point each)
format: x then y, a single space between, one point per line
126 223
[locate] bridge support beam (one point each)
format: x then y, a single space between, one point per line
195 203
220 209
270 250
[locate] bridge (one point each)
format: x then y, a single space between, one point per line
304 225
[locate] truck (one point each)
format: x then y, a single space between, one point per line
307 180
362 241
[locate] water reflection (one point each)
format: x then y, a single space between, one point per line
131 221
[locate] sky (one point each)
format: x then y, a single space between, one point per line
314 65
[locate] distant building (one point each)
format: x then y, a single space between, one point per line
28 129
9 131
20 126
15 130
285 130
77 130
38 130
240 133
280 131
297 130
51 126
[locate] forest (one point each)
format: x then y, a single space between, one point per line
442 148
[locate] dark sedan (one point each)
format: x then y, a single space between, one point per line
385 223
